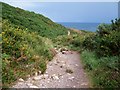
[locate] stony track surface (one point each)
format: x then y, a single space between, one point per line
64 71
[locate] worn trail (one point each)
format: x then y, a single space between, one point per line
64 71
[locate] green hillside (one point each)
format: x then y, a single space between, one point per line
26 42
34 22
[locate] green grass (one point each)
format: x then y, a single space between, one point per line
104 72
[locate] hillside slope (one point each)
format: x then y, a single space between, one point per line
34 22
23 53
26 42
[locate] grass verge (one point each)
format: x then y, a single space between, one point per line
104 71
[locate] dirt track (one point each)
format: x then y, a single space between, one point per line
64 71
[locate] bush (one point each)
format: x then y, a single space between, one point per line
106 42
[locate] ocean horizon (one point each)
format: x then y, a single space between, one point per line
81 26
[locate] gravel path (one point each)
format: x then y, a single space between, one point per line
64 71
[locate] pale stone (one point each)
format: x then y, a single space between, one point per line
67 85
29 78
21 80
45 75
63 61
36 74
41 85
61 76
76 65
71 78
63 52
33 86
27 65
74 86
37 78
29 84
59 81
84 84
46 72
69 74
48 81
39 72
56 77
63 64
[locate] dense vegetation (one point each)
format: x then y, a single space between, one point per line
102 57
34 22
104 71
27 38
106 42
23 52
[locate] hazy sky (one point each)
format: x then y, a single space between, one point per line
72 11
62 0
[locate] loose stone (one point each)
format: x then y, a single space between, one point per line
33 86
21 80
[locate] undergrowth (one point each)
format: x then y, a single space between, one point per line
23 53
104 71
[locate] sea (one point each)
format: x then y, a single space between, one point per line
81 26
